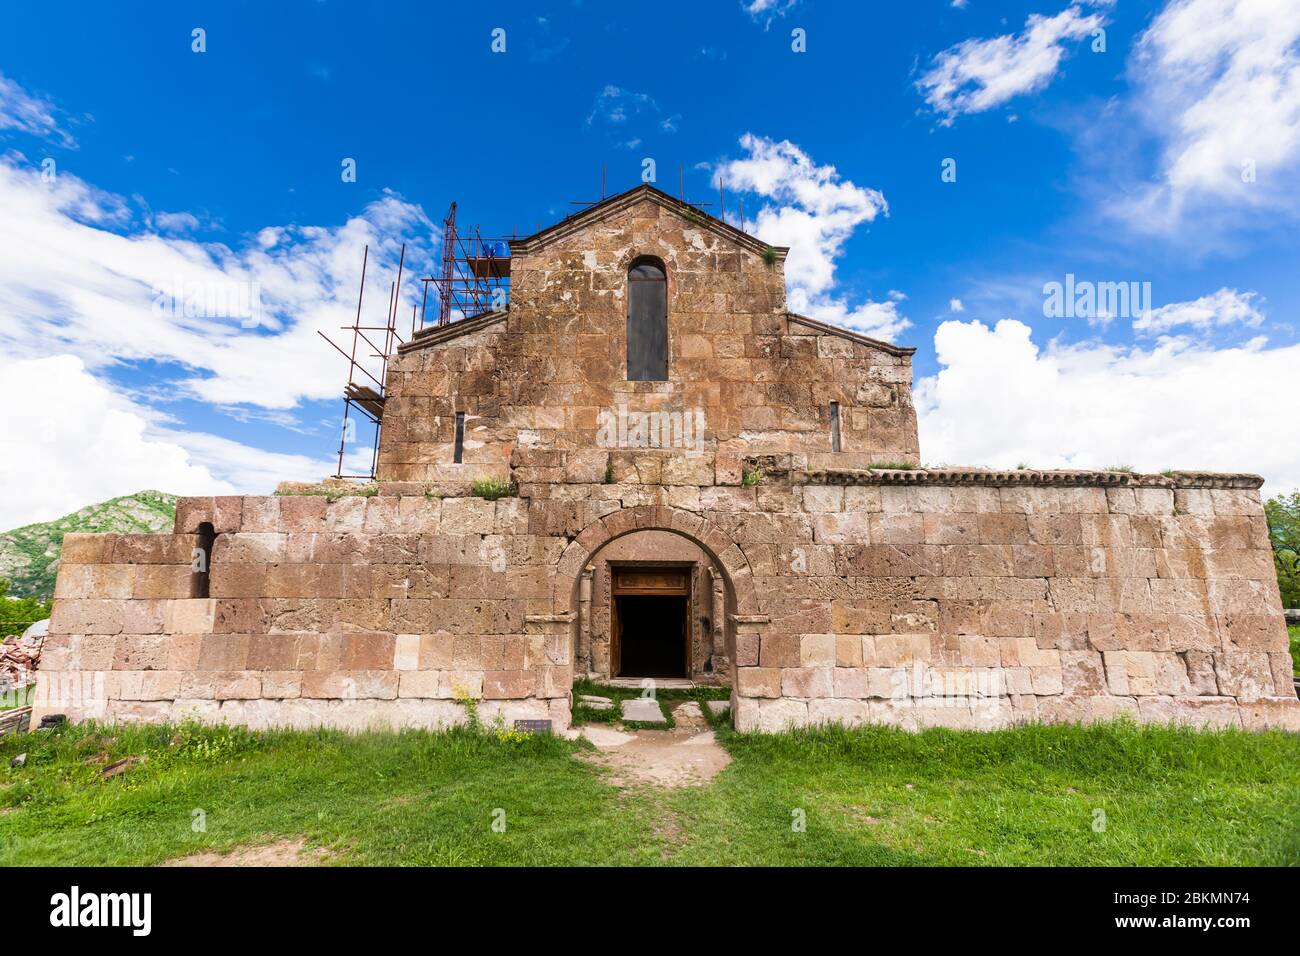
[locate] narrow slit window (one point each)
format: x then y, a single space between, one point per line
835 426
459 454
201 561
647 321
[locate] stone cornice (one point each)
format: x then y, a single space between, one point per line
1029 477
850 335
435 334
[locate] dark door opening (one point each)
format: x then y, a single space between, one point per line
651 635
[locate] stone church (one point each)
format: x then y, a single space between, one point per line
703 486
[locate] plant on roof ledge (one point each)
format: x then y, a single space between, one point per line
769 255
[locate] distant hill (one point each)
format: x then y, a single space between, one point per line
29 555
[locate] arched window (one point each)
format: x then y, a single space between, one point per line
647 321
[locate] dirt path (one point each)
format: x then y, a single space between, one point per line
689 755
282 853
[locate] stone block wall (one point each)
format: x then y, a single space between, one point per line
964 599
352 612
983 605
547 374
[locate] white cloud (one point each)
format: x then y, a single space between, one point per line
175 221
955 305
977 75
256 471
768 10
999 400
1225 307
86 442
615 105
83 444
78 276
814 212
623 111
28 113
1218 82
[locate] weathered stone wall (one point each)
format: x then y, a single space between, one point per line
966 600
350 612
539 381
987 605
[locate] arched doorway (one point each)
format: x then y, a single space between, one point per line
721 554
650 604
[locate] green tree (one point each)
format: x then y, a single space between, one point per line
17 614
1283 514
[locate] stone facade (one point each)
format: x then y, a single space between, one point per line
845 592
542 385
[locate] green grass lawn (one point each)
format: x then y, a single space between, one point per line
869 796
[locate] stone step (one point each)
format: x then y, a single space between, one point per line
644 710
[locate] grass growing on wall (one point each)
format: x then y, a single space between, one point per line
492 488
1115 794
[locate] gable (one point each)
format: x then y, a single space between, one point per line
615 205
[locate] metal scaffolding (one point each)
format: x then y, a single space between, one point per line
474 276
363 395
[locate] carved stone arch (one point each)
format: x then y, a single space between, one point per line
654 249
738 580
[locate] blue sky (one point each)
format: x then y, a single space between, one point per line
1144 142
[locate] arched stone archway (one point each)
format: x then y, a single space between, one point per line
741 599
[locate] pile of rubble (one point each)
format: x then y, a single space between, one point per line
20 656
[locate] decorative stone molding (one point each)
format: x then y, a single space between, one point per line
715 543
1028 477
